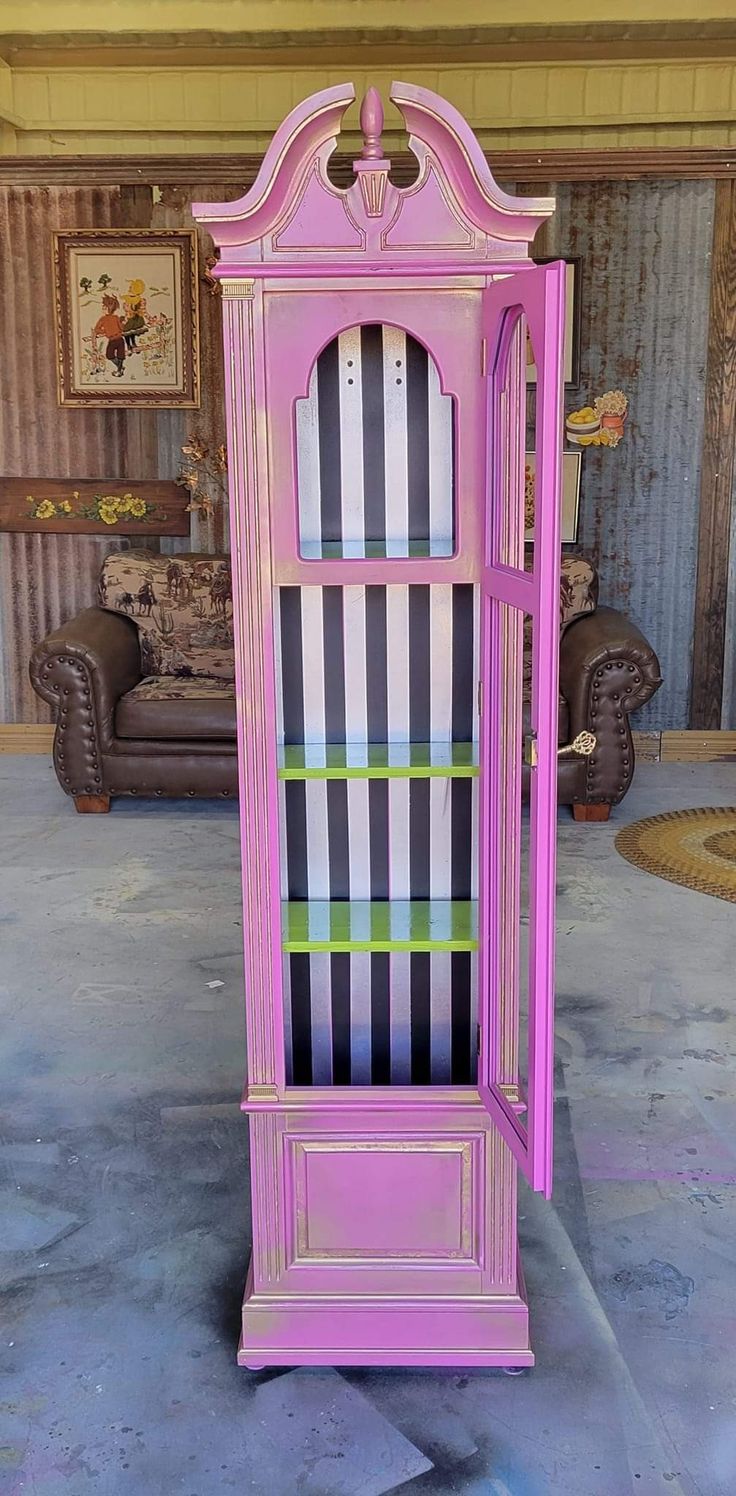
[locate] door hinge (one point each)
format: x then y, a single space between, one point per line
480 697
477 1038
531 752
483 357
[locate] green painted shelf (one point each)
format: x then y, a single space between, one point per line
364 925
376 550
379 761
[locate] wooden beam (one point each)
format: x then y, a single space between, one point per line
69 506
716 479
647 747
556 165
698 747
26 737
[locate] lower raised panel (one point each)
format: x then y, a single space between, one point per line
392 1199
382 1203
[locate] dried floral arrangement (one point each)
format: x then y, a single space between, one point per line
204 471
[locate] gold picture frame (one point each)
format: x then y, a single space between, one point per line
571 468
127 317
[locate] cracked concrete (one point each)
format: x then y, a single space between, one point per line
125 1209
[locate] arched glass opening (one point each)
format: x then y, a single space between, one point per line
375 450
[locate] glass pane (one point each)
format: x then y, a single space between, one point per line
530 453
517 748
379 1018
378 769
375 450
512 515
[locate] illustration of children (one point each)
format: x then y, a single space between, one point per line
134 307
110 326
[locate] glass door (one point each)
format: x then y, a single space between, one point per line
523 326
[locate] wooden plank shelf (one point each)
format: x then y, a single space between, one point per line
378 761
372 925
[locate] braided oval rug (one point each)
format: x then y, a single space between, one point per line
696 848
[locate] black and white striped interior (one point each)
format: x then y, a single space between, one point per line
375 446
379 664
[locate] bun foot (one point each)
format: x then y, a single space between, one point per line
592 812
92 805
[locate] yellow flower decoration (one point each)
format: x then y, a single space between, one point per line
65 506
45 510
107 512
138 508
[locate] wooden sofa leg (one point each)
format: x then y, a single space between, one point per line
92 805
599 812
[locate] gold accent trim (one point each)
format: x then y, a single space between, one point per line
512 1092
464 1147
531 750
296 133
372 185
532 207
584 744
262 1093
236 289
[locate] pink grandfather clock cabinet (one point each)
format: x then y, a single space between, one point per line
396 627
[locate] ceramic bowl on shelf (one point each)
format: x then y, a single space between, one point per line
575 429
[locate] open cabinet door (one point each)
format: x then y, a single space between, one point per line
520 605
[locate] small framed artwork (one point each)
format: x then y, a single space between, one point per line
127 317
573 305
571 462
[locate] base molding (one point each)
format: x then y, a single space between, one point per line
27 737
689 746
478 1330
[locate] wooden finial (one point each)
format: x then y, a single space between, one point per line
371 123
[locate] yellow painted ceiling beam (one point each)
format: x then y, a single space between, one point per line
227 100
178 17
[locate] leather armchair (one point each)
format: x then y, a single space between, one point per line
145 702
607 670
83 669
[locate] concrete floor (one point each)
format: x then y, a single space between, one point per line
125 1204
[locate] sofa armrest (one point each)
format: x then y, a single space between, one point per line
607 652
607 670
82 669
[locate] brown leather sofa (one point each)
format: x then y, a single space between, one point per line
143 690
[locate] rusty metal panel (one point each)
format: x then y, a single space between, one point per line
645 248
46 579
172 210
728 705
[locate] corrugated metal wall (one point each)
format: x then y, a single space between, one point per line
45 579
646 249
728 710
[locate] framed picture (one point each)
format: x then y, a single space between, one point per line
127 317
572 323
571 462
